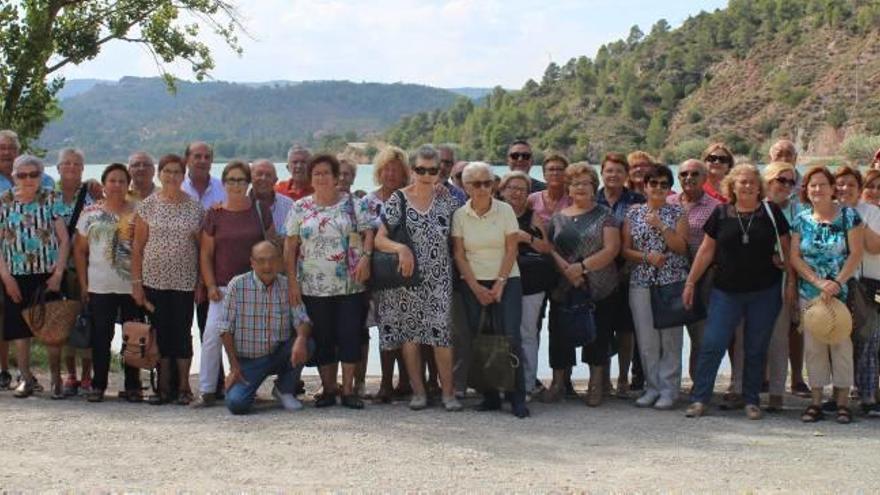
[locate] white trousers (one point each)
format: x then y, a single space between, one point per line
529 331
212 347
660 349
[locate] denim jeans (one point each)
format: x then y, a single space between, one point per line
240 397
758 310
509 313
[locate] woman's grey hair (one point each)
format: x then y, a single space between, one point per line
64 152
425 152
474 169
26 161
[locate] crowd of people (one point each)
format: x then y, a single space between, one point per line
278 276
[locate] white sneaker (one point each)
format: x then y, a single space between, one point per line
648 398
289 402
664 403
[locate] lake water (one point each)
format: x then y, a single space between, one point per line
364 181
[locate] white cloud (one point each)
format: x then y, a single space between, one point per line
440 43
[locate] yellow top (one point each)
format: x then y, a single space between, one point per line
484 237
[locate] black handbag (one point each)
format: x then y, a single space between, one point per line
384 267
577 317
493 364
81 334
537 272
668 309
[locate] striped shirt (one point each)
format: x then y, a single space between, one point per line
258 316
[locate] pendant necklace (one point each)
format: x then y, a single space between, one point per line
745 229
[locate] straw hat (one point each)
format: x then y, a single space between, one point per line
828 322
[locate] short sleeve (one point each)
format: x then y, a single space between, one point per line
798 224
294 220
392 212
226 322
713 222
299 316
853 219
610 222
363 217
508 219
82 225
457 223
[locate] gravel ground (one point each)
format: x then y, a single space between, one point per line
76 446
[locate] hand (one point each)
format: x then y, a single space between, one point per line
300 353
234 377
687 296
201 294
484 295
497 290
653 219
523 237
362 270
574 273
84 296
829 289
214 294
137 293
656 259
406 262
11 286
54 282
294 295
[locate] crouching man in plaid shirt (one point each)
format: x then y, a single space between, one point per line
258 334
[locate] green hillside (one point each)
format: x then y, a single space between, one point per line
110 120
757 70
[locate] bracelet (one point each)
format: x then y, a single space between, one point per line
644 256
501 279
838 283
690 284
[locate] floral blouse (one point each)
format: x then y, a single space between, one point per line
29 244
647 238
326 258
824 246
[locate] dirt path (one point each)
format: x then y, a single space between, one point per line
76 446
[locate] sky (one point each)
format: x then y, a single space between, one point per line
454 43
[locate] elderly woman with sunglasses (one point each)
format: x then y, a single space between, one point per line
420 315
742 240
228 234
485 237
698 206
655 240
719 160
34 247
848 182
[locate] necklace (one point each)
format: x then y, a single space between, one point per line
745 229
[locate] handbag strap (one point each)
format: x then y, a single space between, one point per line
77 209
37 309
776 230
259 209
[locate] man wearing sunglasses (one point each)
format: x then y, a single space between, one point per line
698 206
719 160
519 158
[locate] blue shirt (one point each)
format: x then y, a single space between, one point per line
824 246
627 199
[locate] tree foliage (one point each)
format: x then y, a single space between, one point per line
40 37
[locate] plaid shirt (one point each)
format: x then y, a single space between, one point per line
259 317
697 214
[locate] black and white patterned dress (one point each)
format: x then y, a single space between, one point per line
420 314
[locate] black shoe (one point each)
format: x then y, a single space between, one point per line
5 380
488 404
829 406
300 388
352 401
325 400
520 410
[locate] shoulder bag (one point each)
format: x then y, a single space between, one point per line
384 267
577 316
856 297
51 321
493 364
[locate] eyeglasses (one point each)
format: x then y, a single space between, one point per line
236 181
658 184
718 159
485 184
785 182
686 175
28 175
520 156
426 170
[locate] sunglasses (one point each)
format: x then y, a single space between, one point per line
520 156
485 184
687 175
785 182
28 175
718 159
658 184
426 170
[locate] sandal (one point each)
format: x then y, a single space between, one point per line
352 401
184 398
844 415
812 414
134 396
552 394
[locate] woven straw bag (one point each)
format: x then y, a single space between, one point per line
50 322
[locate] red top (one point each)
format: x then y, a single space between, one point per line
711 191
289 189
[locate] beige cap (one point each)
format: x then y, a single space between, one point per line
827 321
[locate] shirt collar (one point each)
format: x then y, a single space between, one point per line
262 286
493 207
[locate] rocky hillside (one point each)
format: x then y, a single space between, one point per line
755 71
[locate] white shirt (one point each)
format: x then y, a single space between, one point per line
213 194
871 216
